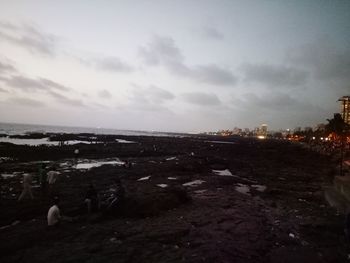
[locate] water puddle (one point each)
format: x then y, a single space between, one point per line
221 142
171 158
144 178
172 178
225 172
123 141
194 183
92 164
5 176
243 189
258 187
45 141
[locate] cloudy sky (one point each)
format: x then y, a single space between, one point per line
191 65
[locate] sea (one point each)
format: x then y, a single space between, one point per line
20 129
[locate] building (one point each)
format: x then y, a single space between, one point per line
262 131
345 108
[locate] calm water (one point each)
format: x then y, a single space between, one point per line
14 128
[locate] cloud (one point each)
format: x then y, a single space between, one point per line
150 95
274 101
149 98
24 83
30 84
65 100
112 64
6 68
277 108
43 85
202 99
26 102
3 90
327 63
105 94
210 32
162 51
273 76
28 37
214 75
53 85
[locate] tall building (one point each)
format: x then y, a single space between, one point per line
345 108
262 131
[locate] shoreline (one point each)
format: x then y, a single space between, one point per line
269 207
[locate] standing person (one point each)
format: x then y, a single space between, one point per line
27 187
42 178
76 154
51 179
54 215
91 198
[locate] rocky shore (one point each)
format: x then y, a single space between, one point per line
188 199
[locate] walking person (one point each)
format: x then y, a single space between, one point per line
76 155
91 199
42 179
27 187
51 179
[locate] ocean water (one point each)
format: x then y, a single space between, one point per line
19 129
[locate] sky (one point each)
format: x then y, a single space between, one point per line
177 66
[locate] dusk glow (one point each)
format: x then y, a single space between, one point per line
173 65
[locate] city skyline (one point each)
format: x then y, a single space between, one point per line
173 66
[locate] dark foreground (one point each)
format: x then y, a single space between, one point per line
208 222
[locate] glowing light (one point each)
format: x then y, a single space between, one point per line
313 138
261 137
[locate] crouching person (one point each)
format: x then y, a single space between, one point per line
54 215
113 198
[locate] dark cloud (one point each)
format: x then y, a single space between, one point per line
149 98
29 84
28 37
214 75
327 63
202 99
53 85
6 68
24 83
280 109
66 100
272 101
273 76
163 51
43 85
150 95
105 94
112 64
211 32
26 102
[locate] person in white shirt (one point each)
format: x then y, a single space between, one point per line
54 216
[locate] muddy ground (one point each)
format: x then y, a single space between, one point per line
223 218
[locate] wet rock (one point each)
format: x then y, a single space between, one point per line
295 254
